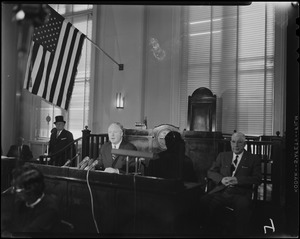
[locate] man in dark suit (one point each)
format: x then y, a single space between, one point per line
28 211
115 163
20 151
234 174
59 139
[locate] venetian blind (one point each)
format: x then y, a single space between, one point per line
230 50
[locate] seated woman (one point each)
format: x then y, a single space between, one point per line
29 212
172 163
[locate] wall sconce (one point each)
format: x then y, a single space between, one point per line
120 101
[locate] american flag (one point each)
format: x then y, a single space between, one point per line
53 59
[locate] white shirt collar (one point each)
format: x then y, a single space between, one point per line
32 205
117 146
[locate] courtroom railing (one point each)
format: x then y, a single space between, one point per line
271 154
70 154
138 156
87 145
91 143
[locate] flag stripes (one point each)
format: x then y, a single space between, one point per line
52 62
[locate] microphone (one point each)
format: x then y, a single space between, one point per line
89 164
67 164
83 163
92 166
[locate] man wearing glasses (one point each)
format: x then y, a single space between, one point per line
30 212
234 174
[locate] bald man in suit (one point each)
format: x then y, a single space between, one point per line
234 174
115 163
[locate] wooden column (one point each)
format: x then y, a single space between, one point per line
85 141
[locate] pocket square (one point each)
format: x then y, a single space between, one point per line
63 138
244 167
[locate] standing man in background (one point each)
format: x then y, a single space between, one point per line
115 163
59 139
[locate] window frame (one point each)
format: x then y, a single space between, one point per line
277 78
43 120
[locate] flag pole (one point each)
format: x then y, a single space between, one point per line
121 66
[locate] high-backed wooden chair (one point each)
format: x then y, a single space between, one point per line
202 110
263 150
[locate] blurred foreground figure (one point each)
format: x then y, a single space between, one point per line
25 209
172 163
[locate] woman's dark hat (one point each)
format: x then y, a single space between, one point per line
59 118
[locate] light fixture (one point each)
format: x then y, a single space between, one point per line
119 101
20 15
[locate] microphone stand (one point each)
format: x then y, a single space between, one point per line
70 161
10 189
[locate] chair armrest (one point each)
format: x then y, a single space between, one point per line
209 184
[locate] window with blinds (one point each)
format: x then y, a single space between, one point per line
230 50
77 115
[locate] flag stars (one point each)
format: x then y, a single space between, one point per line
46 39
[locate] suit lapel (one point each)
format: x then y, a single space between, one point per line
61 134
114 162
119 157
228 163
57 137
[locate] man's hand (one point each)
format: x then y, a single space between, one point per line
229 181
233 181
225 181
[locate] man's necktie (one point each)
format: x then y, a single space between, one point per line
113 155
19 151
234 164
